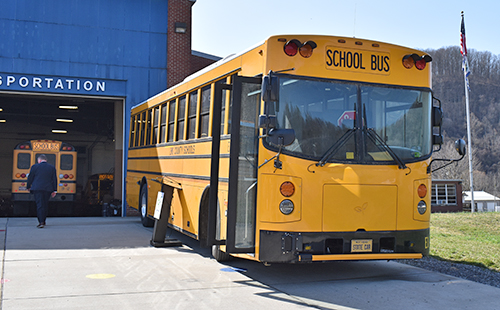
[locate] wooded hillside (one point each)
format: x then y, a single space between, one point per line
484 101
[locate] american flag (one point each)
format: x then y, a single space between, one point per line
463 51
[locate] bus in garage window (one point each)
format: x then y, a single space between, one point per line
302 148
61 155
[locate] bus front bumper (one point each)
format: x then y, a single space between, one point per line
294 247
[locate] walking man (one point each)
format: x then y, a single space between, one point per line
42 182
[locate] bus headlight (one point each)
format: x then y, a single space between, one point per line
422 207
286 206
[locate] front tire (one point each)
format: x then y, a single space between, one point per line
143 207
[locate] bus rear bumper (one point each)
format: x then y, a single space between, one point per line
30 197
294 247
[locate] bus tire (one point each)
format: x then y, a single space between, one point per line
203 219
220 255
143 207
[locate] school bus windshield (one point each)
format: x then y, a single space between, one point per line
358 123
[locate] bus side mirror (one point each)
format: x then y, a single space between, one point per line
460 147
437 116
267 121
437 139
281 137
270 88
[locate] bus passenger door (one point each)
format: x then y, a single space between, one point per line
246 101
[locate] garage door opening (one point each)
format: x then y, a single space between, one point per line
92 125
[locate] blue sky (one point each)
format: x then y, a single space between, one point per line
223 27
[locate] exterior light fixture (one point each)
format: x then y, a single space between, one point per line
63 120
68 107
59 131
180 27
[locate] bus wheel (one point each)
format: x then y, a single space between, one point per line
143 207
220 255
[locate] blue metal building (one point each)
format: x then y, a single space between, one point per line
94 52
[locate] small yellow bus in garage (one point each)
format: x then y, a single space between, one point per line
61 155
303 148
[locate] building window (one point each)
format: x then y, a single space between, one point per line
444 194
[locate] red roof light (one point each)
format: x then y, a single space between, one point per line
291 47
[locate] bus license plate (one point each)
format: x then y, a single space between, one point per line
361 245
22 188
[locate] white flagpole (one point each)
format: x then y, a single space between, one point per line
469 144
465 67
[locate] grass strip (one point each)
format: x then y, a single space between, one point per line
472 238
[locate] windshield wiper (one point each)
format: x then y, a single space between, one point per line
376 138
334 148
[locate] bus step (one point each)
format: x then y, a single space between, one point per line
166 243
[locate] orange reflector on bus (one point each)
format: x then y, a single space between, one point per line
422 190
287 189
306 49
408 62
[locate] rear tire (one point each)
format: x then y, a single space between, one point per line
143 207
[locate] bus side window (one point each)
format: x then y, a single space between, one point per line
132 131
163 123
137 129
143 129
191 123
66 162
225 127
23 161
171 121
155 124
181 116
148 127
205 111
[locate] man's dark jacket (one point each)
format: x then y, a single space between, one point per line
42 177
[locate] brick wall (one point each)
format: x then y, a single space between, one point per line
199 62
178 44
180 60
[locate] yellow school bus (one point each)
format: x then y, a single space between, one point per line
302 148
60 154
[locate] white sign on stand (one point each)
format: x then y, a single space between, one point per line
159 204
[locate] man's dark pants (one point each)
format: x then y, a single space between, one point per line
42 204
